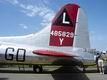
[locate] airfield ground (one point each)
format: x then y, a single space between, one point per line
51 74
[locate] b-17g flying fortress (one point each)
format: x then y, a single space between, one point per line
64 42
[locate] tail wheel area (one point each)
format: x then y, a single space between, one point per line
37 68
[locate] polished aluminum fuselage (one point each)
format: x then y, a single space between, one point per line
23 54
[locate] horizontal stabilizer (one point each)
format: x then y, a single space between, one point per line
52 53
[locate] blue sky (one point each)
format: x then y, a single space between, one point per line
21 17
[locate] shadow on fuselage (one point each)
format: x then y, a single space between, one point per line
68 62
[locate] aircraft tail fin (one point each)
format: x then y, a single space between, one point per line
69 28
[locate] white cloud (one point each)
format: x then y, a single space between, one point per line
23 26
42 11
30 10
13 1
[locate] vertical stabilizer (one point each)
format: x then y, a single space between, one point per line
63 26
69 28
